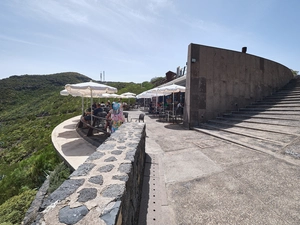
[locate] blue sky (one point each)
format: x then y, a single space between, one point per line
137 40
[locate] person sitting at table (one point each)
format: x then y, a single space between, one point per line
98 109
166 105
87 116
108 104
151 108
179 105
102 104
179 108
125 107
94 106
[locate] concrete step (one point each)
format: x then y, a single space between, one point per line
283 103
243 140
267 135
269 125
272 109
279 117
289 123
267 112
257 126
274 105
279 100
287 92
285 97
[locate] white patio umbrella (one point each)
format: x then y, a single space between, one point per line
173 88
106 95
66 93
144 95
130 94
115 96
90 89
155 92
127 96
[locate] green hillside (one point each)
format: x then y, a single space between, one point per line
30 108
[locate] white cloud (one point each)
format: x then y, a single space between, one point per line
58 10
155 6
137 36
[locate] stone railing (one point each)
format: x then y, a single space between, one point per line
106 189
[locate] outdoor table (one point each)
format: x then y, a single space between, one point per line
163 116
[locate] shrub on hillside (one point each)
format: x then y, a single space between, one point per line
13 210
58 176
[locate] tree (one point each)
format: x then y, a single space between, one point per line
157 81
296 73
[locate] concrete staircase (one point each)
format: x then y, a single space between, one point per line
271 125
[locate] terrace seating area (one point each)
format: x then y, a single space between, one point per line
169 115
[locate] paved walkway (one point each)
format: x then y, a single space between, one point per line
69 144
194 178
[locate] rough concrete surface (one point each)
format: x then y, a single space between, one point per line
194 178
211 181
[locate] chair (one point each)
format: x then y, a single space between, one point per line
178 114
106 109
162 116
102 114
125 115
141 118
100 119
172 116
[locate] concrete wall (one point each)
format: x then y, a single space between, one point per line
220 80
106 189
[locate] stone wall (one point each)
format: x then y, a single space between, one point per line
106 189
220 80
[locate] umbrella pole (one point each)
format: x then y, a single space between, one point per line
82 105
91 107
156 102
163 105
173 103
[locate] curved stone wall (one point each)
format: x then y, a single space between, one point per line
220 80
106 189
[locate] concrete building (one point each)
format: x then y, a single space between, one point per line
220 80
